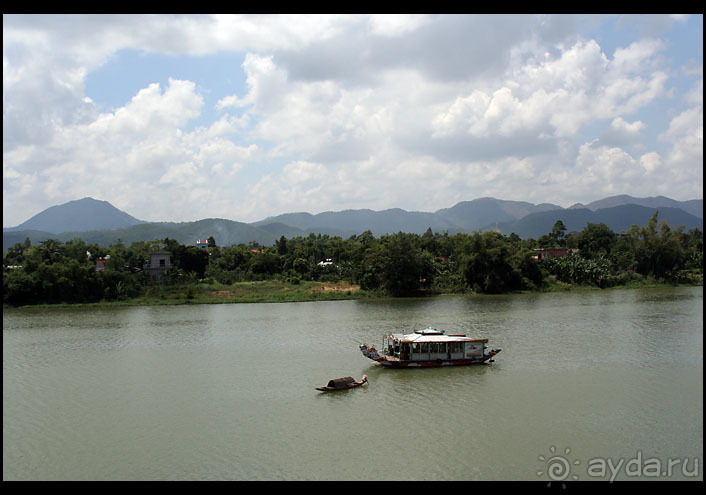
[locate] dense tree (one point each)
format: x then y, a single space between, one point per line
693 245
403 267
485 263
559 233
398 264
281 246
596 239
658 251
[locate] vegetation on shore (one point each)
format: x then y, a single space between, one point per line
319 267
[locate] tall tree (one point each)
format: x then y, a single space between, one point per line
559 233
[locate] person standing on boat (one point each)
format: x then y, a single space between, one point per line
404 352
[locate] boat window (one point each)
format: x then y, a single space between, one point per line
439 347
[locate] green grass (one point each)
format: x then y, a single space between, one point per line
270 291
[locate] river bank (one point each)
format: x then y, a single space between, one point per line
276 291
268 291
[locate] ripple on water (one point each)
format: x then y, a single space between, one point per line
227 391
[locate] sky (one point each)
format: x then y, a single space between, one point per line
184 117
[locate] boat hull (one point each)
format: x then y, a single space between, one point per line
346 383
334 389
432 364
371 353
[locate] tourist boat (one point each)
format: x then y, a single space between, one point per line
342 384
429 347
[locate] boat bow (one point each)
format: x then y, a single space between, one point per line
372 353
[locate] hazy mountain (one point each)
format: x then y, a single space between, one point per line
226 233
99 222
349 222
78 216
523 218
617 218
463 217
695 207
484 212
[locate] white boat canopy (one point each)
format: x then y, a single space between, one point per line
432 335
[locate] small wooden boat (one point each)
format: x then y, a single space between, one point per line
342 384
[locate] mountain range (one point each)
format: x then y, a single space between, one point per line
100 222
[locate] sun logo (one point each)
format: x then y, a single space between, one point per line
558 468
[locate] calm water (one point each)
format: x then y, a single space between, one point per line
226 392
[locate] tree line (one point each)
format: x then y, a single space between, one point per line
400 264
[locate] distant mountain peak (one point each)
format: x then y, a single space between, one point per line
624 199
79 215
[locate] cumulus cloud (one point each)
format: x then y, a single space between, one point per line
556 97
135 152
350 111
685 158
621 132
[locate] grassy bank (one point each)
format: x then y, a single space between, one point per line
270 291
274 291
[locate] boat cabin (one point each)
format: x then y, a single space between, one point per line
430 344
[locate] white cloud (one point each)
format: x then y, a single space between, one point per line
621 132
349 112
686 156
556 97
650 162
633 58
395 24
607 170
151 111
135 152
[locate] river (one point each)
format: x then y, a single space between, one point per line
590 385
